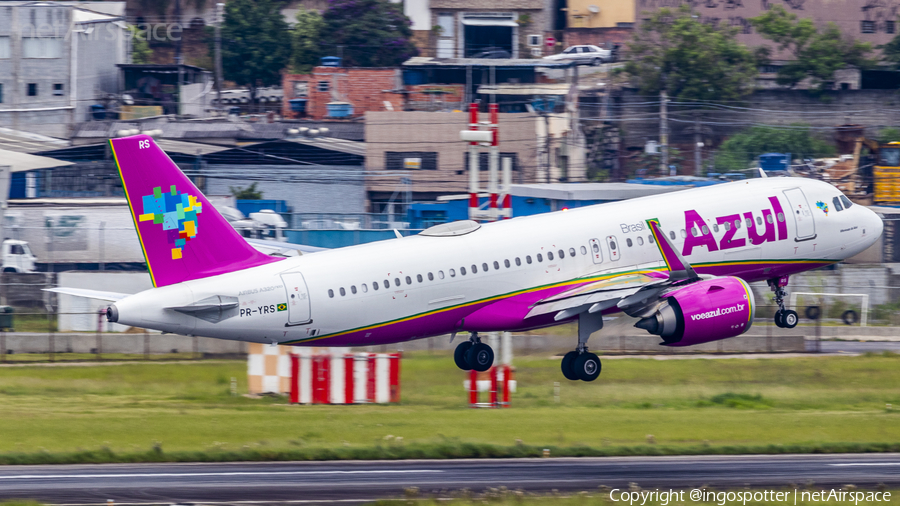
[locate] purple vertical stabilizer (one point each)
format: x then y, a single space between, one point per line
182 235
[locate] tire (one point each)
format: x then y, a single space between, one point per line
587 366
596 62
813 312
480 357
459 356
790 319
850 317
778 319
566 365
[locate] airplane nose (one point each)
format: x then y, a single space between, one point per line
874 225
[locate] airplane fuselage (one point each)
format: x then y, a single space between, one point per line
488 278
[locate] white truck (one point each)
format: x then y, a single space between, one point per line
17 256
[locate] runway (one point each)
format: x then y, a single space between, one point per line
360 481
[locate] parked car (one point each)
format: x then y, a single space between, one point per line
584 55
492 52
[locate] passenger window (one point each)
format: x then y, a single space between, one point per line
397 281
353 289
528 259
343 292
419 278
650 239
518 262
474 269
749 222
628 242
571 252
430 277
440 274
583 250
497 265
562 254
387 284
715 228
737 224
462 271
780 217
727 226
705 230
695 232
330 293
484 267
549 255
846 202
758 220
506 263
365 289
595 247
683 234
408 280
672 234
770 219
375 285
452 273
540 258
640 241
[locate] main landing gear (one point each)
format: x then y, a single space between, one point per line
473 354
784 318
582 364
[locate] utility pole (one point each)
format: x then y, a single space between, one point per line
698 145
179 57
664 129
220 17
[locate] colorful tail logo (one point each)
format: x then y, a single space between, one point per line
176 212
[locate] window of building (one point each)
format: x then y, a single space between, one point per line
867 27
534 40
323 86
57 89
410 160
4 48
890 26
32 89
483 161
42 47
447 24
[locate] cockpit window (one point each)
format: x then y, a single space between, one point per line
837 204
846 202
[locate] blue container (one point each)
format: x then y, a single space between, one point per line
298 104
98 112
331 61
339 109
774 161
413 77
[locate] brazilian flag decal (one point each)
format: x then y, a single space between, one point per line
282 307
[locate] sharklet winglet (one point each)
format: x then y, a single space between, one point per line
675 263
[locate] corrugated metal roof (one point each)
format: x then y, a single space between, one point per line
423 61
341 145
20 162
28 143
189 148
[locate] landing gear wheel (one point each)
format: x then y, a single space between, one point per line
567 362
480 357
789 319
459 356
587 366
779 318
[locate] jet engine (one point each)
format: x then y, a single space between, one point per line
704 311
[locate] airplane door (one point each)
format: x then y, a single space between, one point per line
803 215
596 251
613 246
297 298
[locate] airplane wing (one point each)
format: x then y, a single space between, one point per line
635 294
284 249
89 294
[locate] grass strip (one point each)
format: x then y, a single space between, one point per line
429 451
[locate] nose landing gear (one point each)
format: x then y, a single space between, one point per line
473 354
582 364
784 318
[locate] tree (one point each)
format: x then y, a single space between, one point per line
890 53
368 33
817 54
306 35
248 193
690 59
256 44
140 48
740 149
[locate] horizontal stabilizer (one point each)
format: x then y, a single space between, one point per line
88 294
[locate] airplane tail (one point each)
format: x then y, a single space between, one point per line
182 235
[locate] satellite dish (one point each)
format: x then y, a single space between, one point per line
594 9
127 99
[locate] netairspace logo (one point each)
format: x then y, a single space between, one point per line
718 312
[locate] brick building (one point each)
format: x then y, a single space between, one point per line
364 89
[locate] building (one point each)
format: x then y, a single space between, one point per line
57 59
155 90
599 22
341 93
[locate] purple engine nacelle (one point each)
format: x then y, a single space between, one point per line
703 311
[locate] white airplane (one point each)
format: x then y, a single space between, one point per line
680 262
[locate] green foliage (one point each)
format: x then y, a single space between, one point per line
372 33
140 48
248 193
256 43
741 149
305 36
690 59
818 54
733 400
890 53
888 134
